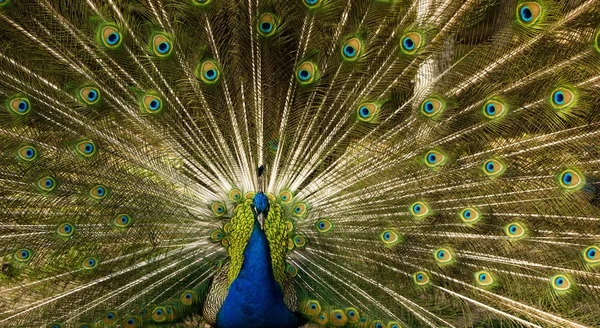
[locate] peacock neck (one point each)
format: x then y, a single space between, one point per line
255 299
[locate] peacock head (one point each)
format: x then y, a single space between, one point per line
260 206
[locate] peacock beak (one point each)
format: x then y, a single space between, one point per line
261 220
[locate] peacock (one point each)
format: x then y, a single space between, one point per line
299 163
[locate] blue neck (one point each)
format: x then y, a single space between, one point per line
255 299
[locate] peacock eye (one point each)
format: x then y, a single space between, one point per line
484 278
312 3
529 13
291 270
299 209
99 192
434 159
65 230
571 180
515 231
161 45
86 148
390 237
470 215
208 72
235 195
27 153
560 283
218 208
419 209
159 314
494 109
306 72
89 95
216 265
420 278
443 256
351 49
432 107
151 104
367 112
266 25
591 254
90 263
493 168
324 225
187 297
111 37
23 255
216 235
47 184
19 105
285 196
411 42
562 98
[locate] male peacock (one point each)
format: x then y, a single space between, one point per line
287 163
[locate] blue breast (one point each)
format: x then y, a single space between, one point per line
255 299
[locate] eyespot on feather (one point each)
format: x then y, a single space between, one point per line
352 315
208 72
324 225
306 73
390 237
312 3
188 297
443 256
484 278
299 241
18 105
162 45
89 95
201 3
90 263
352 49
151 104
65 230
110 317
217 235
159 314
46 184
367 112
515 231
338 318
419 210
299 209
286 196
571 180
27 153
235 195
23 255
291 270
266 24
529 13
494 109
432 107
435 159
86 148
411 42
561 283
591 255
111 36
470 215
99 191
218 208
563 99
493 168
421 278
122 221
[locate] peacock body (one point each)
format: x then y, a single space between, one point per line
288 163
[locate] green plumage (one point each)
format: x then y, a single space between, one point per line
427 163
